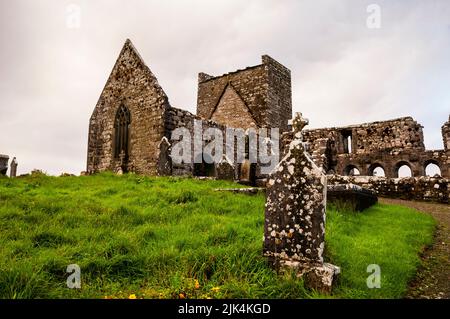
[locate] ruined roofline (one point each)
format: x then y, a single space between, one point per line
406 118
211 77
266 59
185 111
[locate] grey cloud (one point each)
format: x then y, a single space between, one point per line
342 72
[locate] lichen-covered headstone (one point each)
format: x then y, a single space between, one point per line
225 168
294 232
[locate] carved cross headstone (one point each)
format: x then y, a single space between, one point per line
294 232
298 123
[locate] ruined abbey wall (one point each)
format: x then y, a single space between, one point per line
256 97
423 188
446 135
259 96
385 144
178 118
132 84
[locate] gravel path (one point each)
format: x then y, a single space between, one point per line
433 278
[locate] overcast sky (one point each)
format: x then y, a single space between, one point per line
52 69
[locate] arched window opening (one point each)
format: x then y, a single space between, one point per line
432 169
352 170
122 133
349 144
347 139
379 171
404 171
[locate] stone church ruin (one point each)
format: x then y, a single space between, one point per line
131 127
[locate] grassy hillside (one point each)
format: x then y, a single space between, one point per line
174 237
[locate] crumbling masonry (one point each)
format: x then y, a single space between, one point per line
133 118
131 125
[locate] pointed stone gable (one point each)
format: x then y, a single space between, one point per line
133 85
232 111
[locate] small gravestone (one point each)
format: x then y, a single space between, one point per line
225 169
294 232
13 170
165 161
118 170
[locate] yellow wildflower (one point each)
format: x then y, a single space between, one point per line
215 289
197 284
132 296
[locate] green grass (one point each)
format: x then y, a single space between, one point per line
155 237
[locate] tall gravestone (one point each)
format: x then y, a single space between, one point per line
13 170
165 161
294 232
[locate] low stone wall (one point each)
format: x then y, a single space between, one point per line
354 196
414 188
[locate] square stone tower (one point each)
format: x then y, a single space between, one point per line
258 96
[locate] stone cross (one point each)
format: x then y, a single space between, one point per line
13 171
294 231
298 123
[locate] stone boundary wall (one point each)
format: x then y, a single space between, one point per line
434 189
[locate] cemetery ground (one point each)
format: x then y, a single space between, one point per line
167 237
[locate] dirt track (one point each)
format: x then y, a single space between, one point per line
433 278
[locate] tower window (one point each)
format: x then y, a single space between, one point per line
347 142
